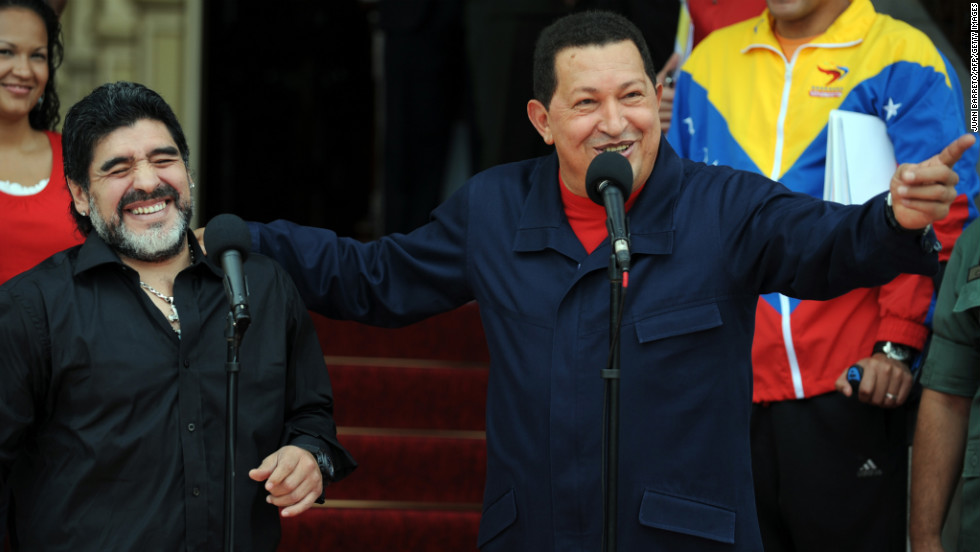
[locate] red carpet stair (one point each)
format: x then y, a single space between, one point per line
410 407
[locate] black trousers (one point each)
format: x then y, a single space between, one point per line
830 474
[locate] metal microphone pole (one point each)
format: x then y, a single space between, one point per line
233 334
610 434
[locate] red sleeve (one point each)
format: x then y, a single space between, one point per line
903 304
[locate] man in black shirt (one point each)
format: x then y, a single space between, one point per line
113 363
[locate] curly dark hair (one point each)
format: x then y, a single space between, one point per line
580 29
45 116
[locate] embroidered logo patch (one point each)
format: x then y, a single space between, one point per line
836 73
973 274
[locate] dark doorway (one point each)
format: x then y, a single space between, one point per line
288 113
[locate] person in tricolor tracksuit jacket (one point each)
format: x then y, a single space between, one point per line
830 471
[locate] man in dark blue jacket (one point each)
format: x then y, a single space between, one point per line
525 243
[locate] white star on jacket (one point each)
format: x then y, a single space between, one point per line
891 109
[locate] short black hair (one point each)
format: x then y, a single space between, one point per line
107 108
46 114
577 30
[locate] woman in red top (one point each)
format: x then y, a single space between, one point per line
33 196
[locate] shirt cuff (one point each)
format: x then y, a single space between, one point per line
906 332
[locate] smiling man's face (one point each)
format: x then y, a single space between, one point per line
604 101
139 192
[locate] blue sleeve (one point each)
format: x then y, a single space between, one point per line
803 247
924 114
393 281
966 167
681 111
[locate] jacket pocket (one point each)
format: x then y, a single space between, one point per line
678 322
498 516
969 297
688 517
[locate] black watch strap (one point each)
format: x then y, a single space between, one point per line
325 462
893 222
927 239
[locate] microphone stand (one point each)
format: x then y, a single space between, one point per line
610 434
233 334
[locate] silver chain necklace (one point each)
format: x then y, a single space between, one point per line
174 317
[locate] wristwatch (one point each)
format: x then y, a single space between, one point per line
325 463
928 242
893 222
895 351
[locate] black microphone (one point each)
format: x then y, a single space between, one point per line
227 237
608 181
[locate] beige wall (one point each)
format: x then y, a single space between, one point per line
153 42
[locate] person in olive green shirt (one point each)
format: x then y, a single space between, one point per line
947 437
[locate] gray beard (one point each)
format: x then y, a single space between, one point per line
156 244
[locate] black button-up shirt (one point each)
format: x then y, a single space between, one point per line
112 430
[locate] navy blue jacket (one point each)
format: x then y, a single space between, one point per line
706 242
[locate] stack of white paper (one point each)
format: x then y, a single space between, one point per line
860 157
